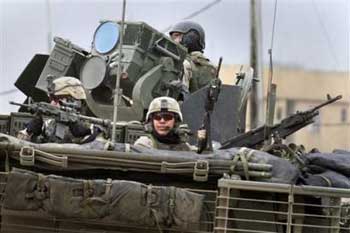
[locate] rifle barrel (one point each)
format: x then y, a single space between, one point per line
332 100
18 104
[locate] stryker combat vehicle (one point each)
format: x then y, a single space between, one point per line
93 188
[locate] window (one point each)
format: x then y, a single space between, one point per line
344 115
279 114
290 107
315 127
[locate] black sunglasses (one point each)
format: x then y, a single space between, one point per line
167 116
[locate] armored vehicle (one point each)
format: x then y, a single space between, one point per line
124 188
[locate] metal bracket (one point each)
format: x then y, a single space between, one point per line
26 156
201 170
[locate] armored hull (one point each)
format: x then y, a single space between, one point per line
228 204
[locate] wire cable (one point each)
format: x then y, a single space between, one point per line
324 29
194 14
273 25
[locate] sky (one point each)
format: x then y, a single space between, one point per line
309 34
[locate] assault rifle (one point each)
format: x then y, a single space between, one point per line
212 97
289 125
62 114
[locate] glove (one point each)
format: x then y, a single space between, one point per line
23 135
201 134
35 126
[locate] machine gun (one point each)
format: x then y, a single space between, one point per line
212 97
62 114
289 125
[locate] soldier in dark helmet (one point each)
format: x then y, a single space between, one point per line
198 70
63 91
163 123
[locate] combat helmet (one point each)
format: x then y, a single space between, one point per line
164 104
67 86
186 26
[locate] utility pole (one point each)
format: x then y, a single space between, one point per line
256 98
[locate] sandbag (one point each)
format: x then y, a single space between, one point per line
338 162
327 179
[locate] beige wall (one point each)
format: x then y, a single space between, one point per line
306 89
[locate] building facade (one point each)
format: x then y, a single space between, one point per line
299 90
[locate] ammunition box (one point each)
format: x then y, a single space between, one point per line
4 124
18 121
133 132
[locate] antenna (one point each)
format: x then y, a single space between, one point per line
271 89
117 85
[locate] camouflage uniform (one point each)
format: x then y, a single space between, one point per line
198 70
41 130
150 141
173 140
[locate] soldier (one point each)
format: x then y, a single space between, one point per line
163 122
198 70
66 91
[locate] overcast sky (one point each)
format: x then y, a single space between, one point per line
311 34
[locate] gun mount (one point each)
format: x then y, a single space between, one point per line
150 61
288 126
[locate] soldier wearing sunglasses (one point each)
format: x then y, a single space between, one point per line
163 123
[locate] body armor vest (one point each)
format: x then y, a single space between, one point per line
182 146
203 71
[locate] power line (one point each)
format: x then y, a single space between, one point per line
194 14
324 29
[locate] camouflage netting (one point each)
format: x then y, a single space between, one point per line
113 200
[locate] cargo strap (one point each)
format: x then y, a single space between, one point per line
108 186
88 189
171 206
150 202
327 180
127 147
41 191
178 168
89 194
201 170
28 155
243 155
108 195
7 161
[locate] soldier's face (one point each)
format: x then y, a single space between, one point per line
176 36
163 122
